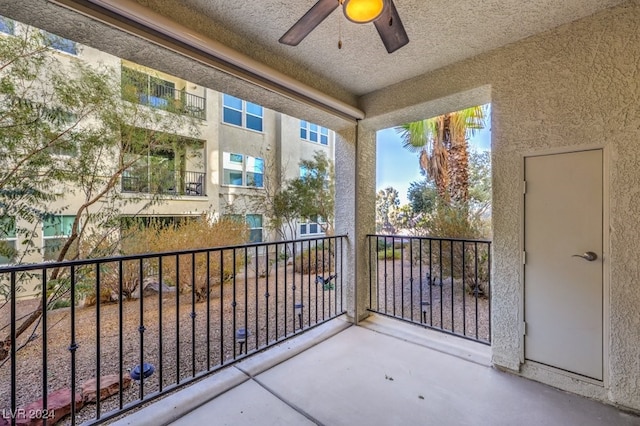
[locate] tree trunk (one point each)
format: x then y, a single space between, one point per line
459 171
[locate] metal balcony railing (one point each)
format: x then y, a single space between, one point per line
165 182
170 99
439 283
167 319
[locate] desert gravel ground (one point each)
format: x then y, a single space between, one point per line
184 350
184 344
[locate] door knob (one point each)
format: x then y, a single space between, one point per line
590 256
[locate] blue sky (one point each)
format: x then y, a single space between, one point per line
397 167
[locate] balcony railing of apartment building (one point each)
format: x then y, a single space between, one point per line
168 320
165 182
439 283
166 97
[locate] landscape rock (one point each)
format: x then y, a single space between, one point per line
151 287
58 406
114 296
109 385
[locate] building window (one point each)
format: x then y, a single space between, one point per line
153 170
241 113
314 133
312 226
242 170
55 231
61 44
254 221
7 240
7 25
255 227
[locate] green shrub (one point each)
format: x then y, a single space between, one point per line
390 253
384 243
59 304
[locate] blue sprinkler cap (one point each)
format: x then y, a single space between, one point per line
148 370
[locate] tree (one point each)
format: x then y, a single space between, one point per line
310 196
422 196
442 145
387 201
315 190
68 130
428 215
480 182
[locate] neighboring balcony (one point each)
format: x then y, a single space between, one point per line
164 182
162 94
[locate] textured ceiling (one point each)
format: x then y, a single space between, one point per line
441 32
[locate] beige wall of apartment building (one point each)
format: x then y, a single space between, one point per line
239 152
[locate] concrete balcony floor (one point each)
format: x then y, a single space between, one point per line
383 372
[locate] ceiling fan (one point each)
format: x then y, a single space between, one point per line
382 13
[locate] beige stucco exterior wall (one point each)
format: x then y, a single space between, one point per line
575 86
355 165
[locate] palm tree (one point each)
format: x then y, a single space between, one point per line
442 144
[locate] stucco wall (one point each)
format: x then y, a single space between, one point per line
355 164
577 85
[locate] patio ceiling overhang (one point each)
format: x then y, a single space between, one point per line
314 80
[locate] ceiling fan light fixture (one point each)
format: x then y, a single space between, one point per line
363 11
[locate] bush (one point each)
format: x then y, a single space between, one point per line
390 253
199 233
59 304
455 221
310 261
383 243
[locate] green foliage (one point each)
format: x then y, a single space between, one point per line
480 181
428 215
59 304
66 130
422 196
387 202
442 146
382 244
390 253
314 192
310 196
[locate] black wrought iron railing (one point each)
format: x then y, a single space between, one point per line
163 320
440 283
163 181
166 97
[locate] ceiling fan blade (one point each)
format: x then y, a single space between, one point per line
309 21
390 28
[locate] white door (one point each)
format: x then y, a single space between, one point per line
564 292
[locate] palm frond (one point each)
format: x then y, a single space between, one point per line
414 135
467 121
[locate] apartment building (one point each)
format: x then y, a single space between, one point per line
241 151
